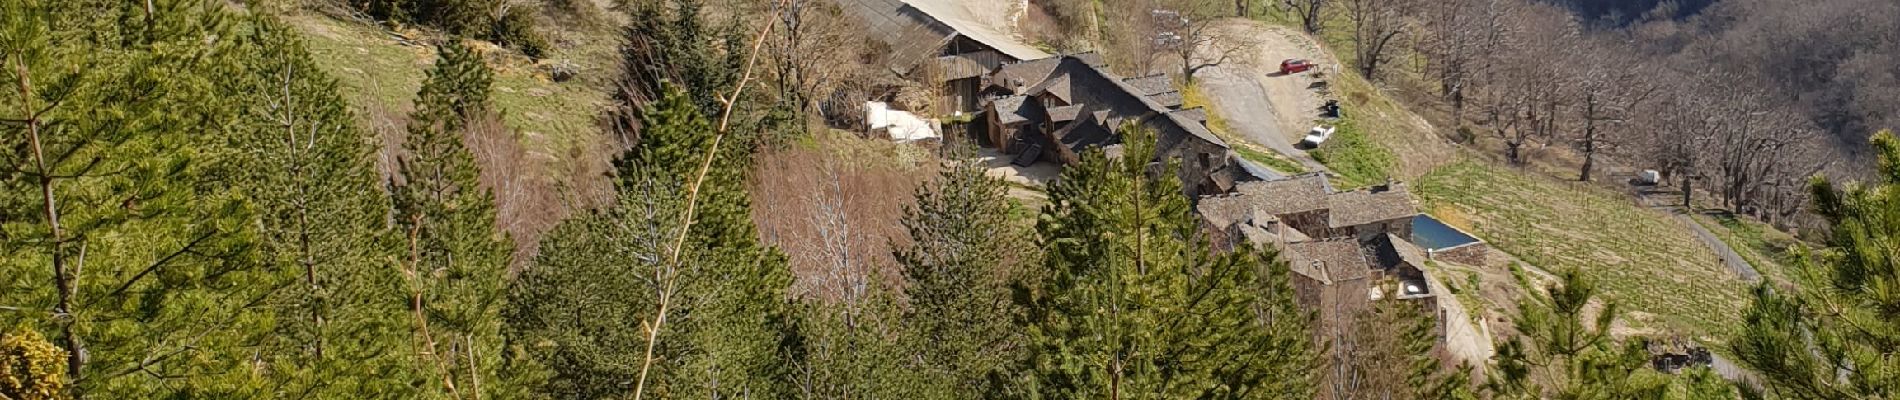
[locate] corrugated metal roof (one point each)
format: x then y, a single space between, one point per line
967 65
912 35
951 13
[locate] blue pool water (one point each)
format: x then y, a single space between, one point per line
1430 234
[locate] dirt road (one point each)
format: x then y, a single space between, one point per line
1259 105
1239 96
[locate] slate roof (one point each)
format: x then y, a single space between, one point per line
1361 207
1024 73
917 30
1091 58
1015 109
1057 84
1169 99
1065 113
1084 133
1151 85
1227 210
1328 261
1408 252
1288 196
1196 114
913 37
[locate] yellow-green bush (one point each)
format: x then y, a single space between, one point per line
30 367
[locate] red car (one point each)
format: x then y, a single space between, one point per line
1294 66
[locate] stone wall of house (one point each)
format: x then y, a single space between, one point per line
1471 254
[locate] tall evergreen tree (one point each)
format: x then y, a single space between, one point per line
298 157
1835 337
863 351
1561 353
1137 305
728 322
117 238
965 246
669 43
455 259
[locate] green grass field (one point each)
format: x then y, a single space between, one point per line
1274 161
1646 262
1765 248
1354 157
380 75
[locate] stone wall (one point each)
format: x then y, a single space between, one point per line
1471 254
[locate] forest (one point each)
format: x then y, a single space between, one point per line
196 204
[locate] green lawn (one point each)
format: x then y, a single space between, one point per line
1765 248
1355 157
1647 263
380 75
1270 160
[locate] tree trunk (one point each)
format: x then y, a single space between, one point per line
1589 142
62 280
1687 191
1589 160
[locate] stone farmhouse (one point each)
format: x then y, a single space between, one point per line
1054 109
1346 249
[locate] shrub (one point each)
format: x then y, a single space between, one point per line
472 18
516 29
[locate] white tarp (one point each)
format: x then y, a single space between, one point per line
903 126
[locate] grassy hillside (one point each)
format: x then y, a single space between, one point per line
380 72
1646 261
1765 248
1649 263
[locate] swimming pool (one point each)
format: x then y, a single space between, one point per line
1431 234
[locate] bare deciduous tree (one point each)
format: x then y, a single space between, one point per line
1375 24
1610 88
1312 14
814 51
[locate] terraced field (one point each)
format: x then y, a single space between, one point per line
1648 263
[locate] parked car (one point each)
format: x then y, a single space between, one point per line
1294 65
1318 135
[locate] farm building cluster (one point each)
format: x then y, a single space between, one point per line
1346 249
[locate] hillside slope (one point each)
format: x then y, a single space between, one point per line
1651 263
380 71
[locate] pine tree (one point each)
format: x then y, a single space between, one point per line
307 170
728 326
957 270
862 351
1562 354
1136 304
455 259
1834 338
119 241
